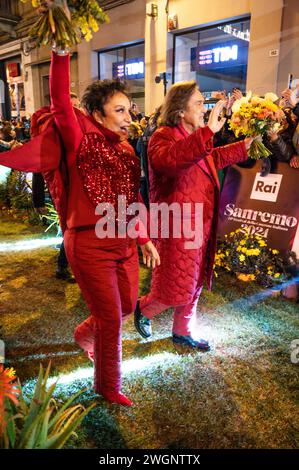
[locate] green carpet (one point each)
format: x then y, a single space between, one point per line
242 394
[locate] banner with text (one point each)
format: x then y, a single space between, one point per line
266 205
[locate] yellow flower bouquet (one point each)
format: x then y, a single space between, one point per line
253 116
135 130
250 259
65 22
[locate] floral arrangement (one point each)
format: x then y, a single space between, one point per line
135 130
8 390
250 259
65 22
39 423
253 116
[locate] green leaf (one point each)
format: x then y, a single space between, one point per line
30 426
64 407
57 441
44 430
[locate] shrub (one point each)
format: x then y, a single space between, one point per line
40 423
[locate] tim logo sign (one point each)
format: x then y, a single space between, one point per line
266 188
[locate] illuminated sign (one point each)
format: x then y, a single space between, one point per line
244 35
218 56
134 69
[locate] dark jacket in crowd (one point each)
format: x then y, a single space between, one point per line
282 149
38 190
296 110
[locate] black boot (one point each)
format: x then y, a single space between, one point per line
65 275
201 344
142 324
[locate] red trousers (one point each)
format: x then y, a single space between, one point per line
183 315
107 273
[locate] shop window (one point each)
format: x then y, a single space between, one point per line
216 57
127 64
15 82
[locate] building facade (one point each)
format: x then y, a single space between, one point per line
250 44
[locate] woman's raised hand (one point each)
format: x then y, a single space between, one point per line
290 97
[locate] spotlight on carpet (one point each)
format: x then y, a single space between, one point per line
128 367
32 244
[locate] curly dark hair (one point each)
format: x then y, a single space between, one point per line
98 93
176 101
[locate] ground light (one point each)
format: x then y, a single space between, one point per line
30 244
129 366
162 359
255 298
69 383
198 329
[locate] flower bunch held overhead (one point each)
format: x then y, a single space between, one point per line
65 22
253 116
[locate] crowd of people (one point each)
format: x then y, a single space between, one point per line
13 133
180 152
283 144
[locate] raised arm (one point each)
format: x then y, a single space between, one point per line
61 105
168 155
229 154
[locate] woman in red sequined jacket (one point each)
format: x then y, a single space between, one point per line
101 166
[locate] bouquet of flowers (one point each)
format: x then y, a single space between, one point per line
250 259
65 22
136 130
253 116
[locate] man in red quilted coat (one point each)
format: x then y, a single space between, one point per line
183 169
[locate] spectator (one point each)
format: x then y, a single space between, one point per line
38 199
135 113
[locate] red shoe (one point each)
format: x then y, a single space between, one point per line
117 397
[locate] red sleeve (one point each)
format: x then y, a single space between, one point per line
167 155
229 154
143 238
61 105
35 155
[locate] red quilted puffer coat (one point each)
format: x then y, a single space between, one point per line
183 168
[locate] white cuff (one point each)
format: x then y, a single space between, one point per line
60 50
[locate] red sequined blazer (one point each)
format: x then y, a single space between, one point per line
91 166
100 166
